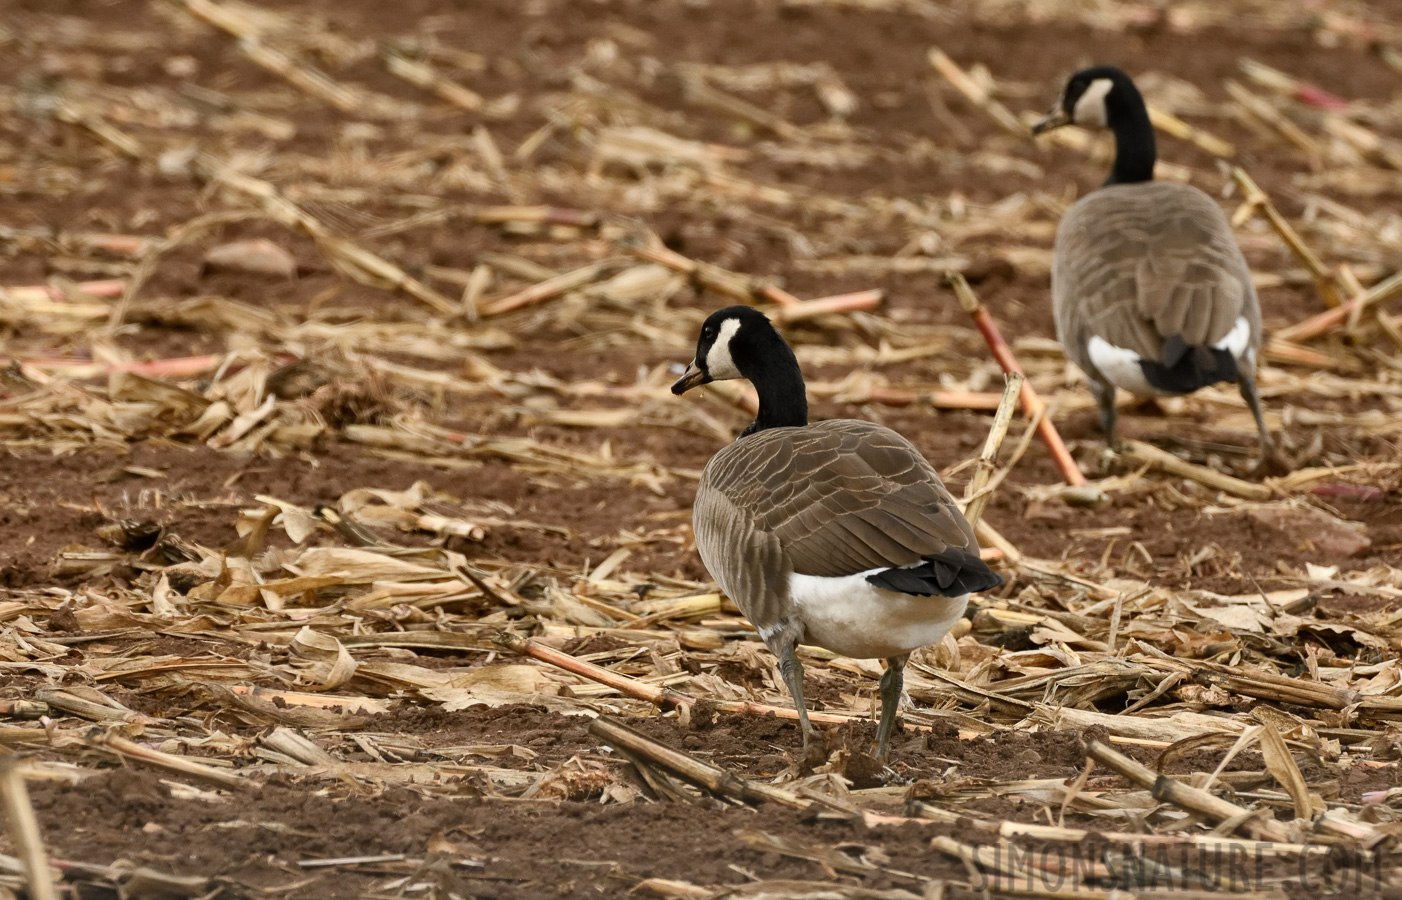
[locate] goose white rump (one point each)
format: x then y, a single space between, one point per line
1122 368
851 616
1125 369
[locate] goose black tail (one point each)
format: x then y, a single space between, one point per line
1186 368
953 573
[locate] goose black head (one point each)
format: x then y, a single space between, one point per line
1105 97
1093 98
735 342
740 342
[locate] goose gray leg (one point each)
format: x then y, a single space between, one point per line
1247 384
1105 400
892 681
792 670
1270 463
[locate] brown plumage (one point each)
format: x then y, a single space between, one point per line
1137 264
829 499
1150 291
838 533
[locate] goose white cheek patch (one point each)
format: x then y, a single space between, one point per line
1090 106
719 363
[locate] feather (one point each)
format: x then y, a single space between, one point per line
839 498
1152 268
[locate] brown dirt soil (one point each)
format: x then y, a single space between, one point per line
464 835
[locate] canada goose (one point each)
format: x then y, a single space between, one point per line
1149 288
838 533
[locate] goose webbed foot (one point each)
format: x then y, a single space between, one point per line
892 682
1272 463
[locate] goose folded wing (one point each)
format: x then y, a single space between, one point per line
853 497
1192 280
1148 271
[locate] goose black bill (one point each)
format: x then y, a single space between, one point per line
1054 119
692 377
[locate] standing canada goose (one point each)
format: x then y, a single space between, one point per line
1149 288
838 533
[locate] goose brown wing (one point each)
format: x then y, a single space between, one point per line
838 497
1136 264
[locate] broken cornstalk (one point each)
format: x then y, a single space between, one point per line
1032 405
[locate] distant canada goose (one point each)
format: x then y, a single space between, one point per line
1149 288
838 533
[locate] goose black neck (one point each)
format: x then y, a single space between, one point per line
783 403
1134 136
